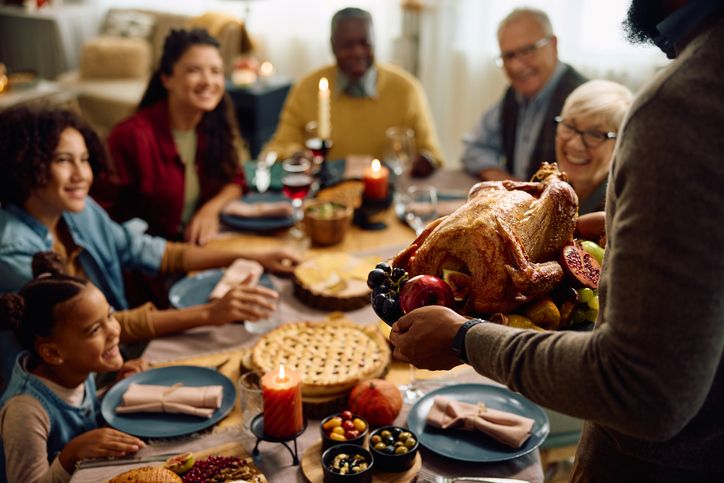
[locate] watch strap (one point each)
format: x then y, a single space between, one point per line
458 344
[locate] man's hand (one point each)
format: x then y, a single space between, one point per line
592 226
424 337
422 167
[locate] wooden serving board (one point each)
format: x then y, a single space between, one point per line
312 468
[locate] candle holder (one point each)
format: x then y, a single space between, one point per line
257 428
369 208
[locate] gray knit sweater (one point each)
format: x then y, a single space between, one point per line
650 379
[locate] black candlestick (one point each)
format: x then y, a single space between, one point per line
370 207
257 427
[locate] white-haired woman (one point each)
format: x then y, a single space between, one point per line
586 136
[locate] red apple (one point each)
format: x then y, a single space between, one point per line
425 290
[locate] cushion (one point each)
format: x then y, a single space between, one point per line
108 57
128 23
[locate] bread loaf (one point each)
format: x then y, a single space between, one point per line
147 474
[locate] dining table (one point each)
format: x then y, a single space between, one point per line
226 346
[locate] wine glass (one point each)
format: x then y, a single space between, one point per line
419 206
296 182
316 146
399 150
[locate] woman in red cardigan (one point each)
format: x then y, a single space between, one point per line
178 158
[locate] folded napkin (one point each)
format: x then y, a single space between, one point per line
201 401
507 428
262 209
246 271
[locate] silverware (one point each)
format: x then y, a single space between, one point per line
427 476
101 462
219 365
262 175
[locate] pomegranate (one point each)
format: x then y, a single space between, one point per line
581 268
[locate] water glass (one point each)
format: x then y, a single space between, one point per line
263 326
399 149
419 206
250 400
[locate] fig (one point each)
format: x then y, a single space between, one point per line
580 267
459 283
180 463
566 299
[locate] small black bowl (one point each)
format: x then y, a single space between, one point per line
393 462
328 442
364 476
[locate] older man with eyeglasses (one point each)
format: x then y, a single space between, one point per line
517 133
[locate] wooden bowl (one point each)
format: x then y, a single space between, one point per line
326 222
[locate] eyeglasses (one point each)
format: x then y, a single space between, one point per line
591 139
523 53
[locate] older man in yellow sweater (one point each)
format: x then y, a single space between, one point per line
367 99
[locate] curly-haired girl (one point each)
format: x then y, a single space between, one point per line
50 414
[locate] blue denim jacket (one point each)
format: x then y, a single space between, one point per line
108 249
66 421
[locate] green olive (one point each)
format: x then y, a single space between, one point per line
401 450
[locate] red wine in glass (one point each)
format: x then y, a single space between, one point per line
296 186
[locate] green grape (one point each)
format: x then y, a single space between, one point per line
585 294
591 315
579 316
593 303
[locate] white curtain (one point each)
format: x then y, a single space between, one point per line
458 45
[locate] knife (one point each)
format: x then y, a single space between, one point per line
100 462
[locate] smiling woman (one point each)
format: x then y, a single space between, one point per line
178 159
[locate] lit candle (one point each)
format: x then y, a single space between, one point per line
323 114
376 179
282 395
266 69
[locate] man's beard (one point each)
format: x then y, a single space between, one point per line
641 20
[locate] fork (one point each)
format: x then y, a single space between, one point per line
427 476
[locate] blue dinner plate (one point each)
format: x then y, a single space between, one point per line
166 425
195 289
474 446
260 224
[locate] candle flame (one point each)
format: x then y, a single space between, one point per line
323 84
376 165
266 68
281 377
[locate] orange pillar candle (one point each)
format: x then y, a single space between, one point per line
376 179
282 395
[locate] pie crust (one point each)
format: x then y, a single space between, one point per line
334 281
332 355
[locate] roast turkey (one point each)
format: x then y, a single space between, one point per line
506 237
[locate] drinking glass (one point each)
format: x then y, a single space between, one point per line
296 182
264 325
250 399
419 206
315 146
399 149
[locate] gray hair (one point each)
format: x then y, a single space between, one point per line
539 16
604 101
347 13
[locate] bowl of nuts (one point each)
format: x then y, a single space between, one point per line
393 448
343 428
347 463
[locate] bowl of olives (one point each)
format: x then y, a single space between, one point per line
343 428
346 463
393 448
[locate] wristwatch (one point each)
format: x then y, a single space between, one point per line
458 344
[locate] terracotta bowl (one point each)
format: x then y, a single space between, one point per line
326 222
